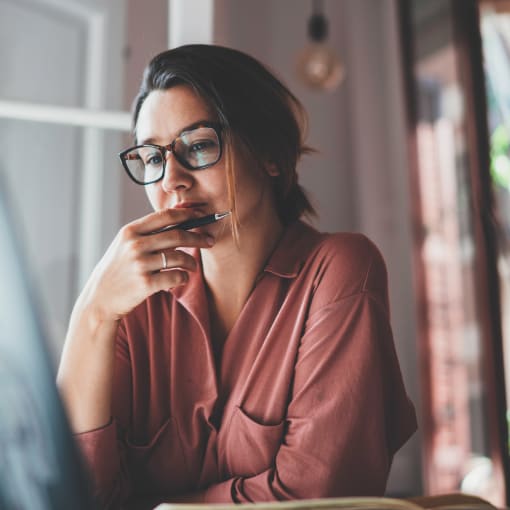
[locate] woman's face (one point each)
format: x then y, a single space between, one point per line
163 116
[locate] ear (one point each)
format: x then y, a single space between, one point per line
272 169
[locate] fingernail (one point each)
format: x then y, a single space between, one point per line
210 240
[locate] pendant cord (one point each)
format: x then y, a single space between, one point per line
317 24
317 7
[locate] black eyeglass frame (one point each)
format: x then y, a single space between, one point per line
170 148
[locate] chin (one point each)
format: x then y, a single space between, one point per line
220 230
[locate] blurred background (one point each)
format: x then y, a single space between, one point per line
409 108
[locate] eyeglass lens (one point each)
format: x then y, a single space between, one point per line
194 149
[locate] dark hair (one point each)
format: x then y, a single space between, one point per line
252 106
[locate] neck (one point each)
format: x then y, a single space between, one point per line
236 266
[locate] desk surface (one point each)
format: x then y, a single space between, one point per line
441 502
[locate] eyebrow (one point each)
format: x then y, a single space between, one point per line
198 123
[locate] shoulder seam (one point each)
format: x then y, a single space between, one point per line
368 293
364 286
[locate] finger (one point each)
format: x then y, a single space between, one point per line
142 249
177 239
172 259
159 219
166 280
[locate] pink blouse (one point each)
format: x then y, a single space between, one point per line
306 400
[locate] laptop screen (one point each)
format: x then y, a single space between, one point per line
40 467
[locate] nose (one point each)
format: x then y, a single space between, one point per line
176 177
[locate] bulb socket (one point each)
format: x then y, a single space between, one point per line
317 27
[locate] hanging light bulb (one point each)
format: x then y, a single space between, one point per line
318 66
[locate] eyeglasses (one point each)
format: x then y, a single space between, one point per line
196 148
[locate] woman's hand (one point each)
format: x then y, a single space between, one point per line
129 272
132 267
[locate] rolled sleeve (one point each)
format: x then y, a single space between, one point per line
102 453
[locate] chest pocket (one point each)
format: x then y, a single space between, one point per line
160 464
247 447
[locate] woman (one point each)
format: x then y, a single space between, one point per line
250 359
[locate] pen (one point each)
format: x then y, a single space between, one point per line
194 223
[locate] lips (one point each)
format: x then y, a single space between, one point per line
196 208
189 205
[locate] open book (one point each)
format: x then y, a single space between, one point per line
444 502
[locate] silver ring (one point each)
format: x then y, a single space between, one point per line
163 257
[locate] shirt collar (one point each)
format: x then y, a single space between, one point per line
295 245
192 295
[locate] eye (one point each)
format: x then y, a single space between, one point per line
198 148
201 146
153 158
